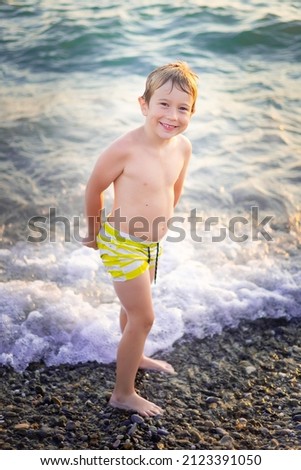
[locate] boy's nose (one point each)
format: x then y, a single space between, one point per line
172 113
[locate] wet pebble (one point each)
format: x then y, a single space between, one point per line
137 419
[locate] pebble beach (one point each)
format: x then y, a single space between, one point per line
237 390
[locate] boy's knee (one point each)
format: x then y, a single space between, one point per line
144 322
148 323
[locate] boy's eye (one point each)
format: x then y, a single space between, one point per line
163 103
183 108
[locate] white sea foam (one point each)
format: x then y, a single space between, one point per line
61 307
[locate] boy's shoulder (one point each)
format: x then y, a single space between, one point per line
185 144
185 140
124 142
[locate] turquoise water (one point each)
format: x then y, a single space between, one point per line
71 73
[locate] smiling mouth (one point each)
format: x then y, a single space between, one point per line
168 127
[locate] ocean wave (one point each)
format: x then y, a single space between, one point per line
268 41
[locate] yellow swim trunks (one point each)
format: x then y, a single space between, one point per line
125 256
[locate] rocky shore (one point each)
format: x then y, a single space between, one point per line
237 390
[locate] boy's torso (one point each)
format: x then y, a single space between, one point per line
144 192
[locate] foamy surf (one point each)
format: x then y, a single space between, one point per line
59 305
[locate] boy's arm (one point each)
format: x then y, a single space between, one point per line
108 167
178 187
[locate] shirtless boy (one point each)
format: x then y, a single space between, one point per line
147 167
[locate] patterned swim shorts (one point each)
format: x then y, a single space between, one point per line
125 256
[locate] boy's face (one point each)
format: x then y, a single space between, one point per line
168 111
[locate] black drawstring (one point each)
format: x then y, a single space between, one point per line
149 254
156 264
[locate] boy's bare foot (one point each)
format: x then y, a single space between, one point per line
156 364
136 403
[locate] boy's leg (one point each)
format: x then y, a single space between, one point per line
147 362
135 297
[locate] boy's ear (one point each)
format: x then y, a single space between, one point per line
143 105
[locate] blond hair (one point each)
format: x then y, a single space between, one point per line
180 76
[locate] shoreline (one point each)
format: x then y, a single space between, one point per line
237 390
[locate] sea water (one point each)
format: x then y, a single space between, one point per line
71 73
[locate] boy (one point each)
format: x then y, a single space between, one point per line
147 167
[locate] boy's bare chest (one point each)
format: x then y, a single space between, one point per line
154 172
